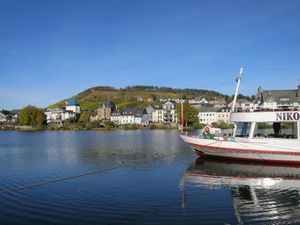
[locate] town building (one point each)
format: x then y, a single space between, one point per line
214 115
3 118
197 102
130 116
104 112
165 114
158 114
73 105
169 113
207 116
248 106
150 110
57 116
223 115
278 99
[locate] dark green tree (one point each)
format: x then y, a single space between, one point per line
32 116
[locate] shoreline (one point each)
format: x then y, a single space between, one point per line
85 129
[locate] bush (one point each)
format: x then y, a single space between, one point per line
130 127
94 124
109 124
198 125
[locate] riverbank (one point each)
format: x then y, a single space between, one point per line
30 129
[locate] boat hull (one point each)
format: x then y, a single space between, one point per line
280 151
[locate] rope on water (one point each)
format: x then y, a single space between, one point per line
22 187
28 186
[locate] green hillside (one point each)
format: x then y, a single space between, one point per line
128 97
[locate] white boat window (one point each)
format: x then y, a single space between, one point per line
243 130
276 130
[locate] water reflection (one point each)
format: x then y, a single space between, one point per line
261 193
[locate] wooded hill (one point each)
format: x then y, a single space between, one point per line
128 97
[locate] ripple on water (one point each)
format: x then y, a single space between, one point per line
154 185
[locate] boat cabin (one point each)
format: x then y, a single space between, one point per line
279 124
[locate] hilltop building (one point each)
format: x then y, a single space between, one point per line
198 102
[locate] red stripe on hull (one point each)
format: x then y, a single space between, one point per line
244 150
245 159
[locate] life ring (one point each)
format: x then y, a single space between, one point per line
206 129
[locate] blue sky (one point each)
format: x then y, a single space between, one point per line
51 50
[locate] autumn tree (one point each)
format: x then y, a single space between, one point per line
190 113
30 115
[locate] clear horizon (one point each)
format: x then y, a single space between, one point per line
52 50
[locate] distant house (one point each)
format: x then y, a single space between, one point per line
8 117
197 102
140 99
169 113
165 113
58 116
73 105
278 99
207 115
150 99
223 115
158 114
104 112
214 115
3 118
130 116
149 110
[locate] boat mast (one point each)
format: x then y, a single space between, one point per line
238 80
182 116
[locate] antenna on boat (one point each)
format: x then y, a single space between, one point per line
238 80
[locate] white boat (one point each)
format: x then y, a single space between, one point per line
247 143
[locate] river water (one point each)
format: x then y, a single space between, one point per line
136 177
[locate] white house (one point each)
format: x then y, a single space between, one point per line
214 115
157 115
59 115
169 113
223 115
248 106
130 116
73 105
3 118
207 116
196 102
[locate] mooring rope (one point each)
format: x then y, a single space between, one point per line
28 186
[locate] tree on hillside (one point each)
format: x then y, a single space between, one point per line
32 116
189 112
